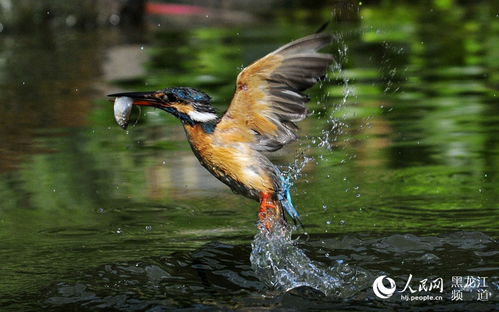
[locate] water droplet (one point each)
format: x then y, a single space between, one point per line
148 228
357 195
328 222
164 162
53 190
119 231
114 19
142 47
324 207
23 83
159 25
70 20
342 222
100 210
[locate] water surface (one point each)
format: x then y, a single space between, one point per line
397 168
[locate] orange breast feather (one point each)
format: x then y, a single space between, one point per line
228 154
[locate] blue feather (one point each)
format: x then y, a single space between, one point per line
189 95
284 197
209 127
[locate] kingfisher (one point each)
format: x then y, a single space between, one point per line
267 102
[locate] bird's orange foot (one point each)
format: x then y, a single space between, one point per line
267 210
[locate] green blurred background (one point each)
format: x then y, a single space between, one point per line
403 137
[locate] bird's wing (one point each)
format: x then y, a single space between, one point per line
268 98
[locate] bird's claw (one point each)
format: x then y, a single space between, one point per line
263 212
267 212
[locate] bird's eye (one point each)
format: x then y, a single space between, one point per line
170 97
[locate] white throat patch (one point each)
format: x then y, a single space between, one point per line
202 116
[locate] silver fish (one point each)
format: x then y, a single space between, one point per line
122 108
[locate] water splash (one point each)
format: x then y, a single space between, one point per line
276 257
281 264
334 126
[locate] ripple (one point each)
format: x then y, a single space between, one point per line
326 272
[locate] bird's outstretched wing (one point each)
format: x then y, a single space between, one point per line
268 98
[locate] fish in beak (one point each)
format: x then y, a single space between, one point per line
124 102
122 108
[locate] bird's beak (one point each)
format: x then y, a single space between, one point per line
142 98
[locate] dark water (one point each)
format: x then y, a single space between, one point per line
397 168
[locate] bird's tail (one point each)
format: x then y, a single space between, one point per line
284 198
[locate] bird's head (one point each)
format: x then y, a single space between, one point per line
191 106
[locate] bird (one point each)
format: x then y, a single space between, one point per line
268 101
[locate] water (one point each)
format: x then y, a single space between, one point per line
395 174
281 264
219 276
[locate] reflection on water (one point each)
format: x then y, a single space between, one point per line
397 164
45 81
218 275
